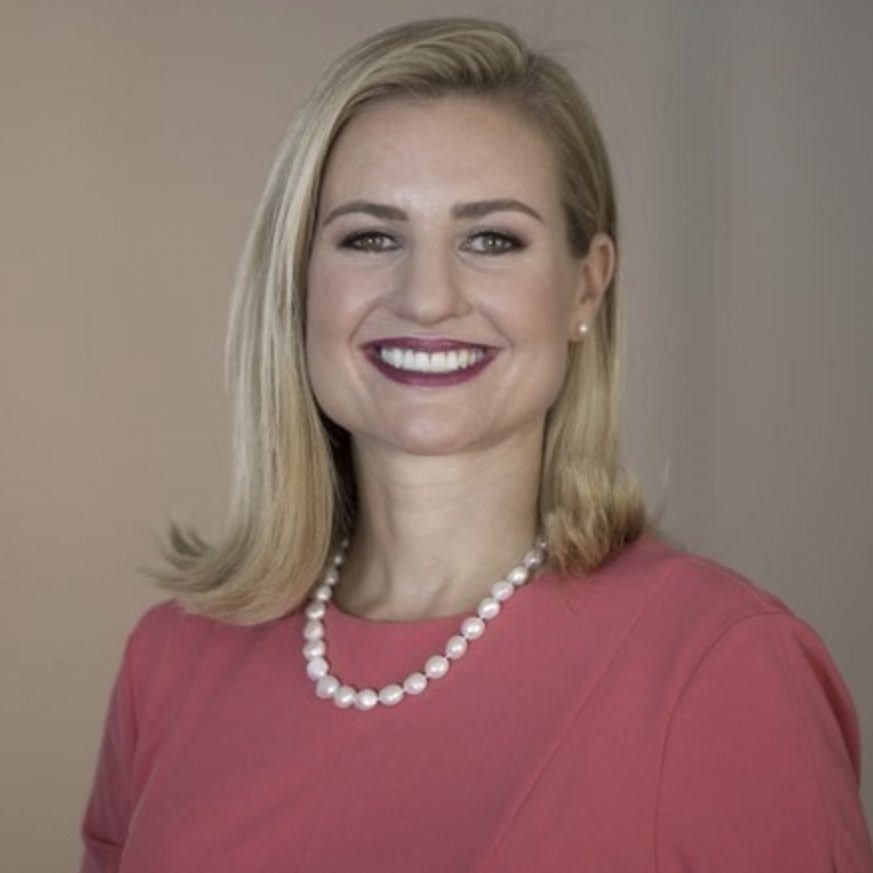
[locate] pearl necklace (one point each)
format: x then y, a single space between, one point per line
330 687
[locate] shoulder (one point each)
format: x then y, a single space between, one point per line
762 684
162 651
674 610
689 594
749 664
160 624
760 757
169 644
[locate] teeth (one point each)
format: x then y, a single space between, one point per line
438 362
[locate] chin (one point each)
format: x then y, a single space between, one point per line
432 442
441 437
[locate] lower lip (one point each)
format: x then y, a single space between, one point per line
435 380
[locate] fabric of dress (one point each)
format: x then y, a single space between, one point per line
661 714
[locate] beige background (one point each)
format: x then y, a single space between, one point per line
136 138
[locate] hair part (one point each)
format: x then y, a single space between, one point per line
293 490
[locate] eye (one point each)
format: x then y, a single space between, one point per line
368 241
494 243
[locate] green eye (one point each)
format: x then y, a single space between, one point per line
486 242
494 243
368 241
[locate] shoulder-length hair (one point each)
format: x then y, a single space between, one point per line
293 490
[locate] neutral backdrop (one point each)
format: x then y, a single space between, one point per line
134 144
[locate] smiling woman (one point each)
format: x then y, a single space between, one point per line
427 195
392 177
523 674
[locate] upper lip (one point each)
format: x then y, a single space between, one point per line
424 344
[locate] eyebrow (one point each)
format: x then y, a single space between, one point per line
472 209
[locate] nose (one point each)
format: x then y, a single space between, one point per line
430 286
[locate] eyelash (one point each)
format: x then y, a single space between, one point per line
515 244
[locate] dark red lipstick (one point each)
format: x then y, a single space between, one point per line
430 345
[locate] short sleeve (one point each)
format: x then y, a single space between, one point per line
761 764
119 771
107 815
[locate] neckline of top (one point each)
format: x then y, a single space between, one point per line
545 578
340 618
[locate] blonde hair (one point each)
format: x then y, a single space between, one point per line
293 486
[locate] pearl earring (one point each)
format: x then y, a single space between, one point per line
583 329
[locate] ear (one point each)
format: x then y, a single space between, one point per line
596 270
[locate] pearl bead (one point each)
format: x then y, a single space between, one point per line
502 590
327 686
415 683
473 628
488 608
455 647
316 610
391 695
517 575
313 630
436 667
344 696
317 668
366 698
314 649
330 687
533 559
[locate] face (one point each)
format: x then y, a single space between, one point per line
442 295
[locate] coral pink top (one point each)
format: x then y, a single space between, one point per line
661 714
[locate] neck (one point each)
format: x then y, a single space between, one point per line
434 533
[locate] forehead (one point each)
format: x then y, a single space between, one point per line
440 149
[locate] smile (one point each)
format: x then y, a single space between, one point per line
436 369
435 362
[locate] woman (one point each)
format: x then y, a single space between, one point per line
440 633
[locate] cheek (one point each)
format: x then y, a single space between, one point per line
323 320
321 298
336 305
328 311
337 299
537 325
535 310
